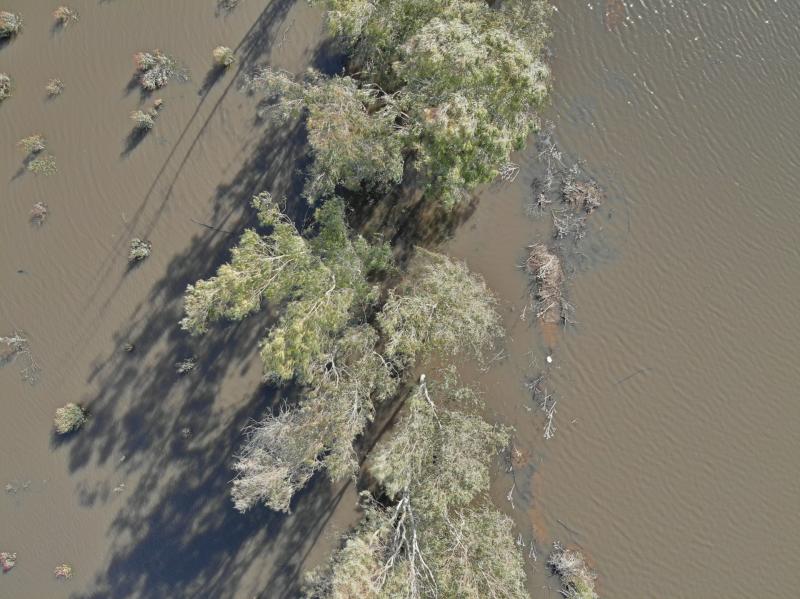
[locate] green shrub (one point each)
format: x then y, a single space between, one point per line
33 144
54 87
139 250
156 69
10 24
69 418
223 56
5 86
64 15
43 164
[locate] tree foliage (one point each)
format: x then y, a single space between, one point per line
325 281
442 307
432 539
352 129
455 84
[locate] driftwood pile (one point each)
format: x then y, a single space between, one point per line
548 278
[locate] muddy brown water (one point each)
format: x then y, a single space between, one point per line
675 462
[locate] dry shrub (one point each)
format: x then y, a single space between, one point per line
38 213
10 24
223 56
64 15
5 86
69 418
582 195
545 267
54 87
577 579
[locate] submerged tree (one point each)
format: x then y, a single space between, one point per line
454 84
352 127
327 281
156 69
434 535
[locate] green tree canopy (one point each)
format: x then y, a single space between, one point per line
455 84
433 540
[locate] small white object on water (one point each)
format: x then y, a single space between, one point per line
549 359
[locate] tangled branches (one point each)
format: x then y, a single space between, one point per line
17 346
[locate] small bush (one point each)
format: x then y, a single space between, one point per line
5 86
43 165
7 560
142 120
139 250
64 16
33 144
10 24
63 572
54 87
156 69
577 580
38 213
223 56
69 418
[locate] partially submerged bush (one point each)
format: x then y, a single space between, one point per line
54 87
69 418
64 15
7 560
548 275
139 250
37 162
156 69
5 86
63 572
434 533
38 213
43 164
577 580
223 56
142 120
10 24
33 144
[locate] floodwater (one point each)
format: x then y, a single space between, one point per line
675 463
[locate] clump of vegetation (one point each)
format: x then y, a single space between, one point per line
38 213
434 533
328 283
5 86
223 56
139 250
17 346
186 365
10 24
33 144
142 120
63 572
54 87
69 418
548 276
577 580
7 560
156 69
146 120
454 85
44 164
64 15
227 5
352 128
